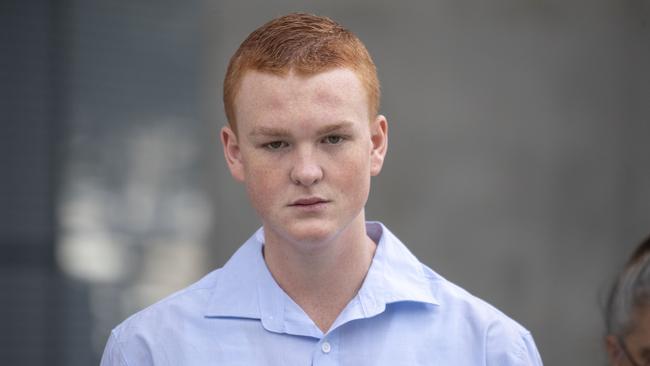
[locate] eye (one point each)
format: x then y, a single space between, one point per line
333 139
275 145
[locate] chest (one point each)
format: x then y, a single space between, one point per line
365 342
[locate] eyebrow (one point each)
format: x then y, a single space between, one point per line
335 127
269 131
283 132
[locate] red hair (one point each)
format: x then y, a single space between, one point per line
303 43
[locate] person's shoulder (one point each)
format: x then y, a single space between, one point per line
139 338
456 299
179 307
506 342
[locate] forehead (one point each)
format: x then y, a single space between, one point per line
337 92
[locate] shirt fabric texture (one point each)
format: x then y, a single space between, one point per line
403 314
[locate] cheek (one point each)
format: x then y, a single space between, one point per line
354 175
262 185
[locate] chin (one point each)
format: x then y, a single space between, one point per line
316 233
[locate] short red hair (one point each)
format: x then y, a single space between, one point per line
303 43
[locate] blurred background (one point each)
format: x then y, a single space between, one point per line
518 165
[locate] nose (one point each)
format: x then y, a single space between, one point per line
306 171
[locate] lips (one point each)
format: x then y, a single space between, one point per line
308 201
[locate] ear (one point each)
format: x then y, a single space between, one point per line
379 140
232 153
613 350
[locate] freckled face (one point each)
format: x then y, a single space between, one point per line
305 149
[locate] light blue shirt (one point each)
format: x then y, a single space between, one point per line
404 314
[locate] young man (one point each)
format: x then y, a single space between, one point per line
317 284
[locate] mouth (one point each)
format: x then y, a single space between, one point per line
309 202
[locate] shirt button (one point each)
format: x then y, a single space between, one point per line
326 347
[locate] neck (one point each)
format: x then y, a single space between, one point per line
322 281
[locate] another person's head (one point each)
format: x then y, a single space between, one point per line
628 312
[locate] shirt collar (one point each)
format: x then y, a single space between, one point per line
246 289
395 274
235 291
